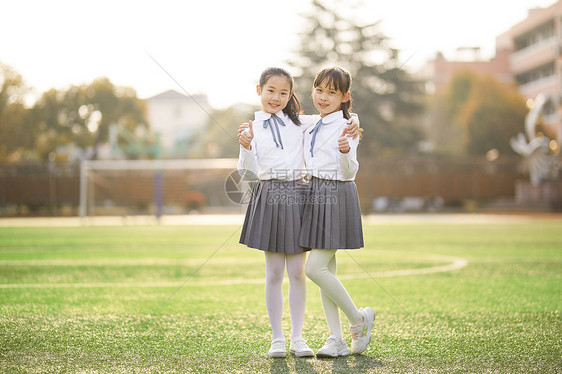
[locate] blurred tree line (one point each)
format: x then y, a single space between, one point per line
220 139
473 115
77 116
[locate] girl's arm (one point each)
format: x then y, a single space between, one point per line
308 120
347 156
248 158
354 129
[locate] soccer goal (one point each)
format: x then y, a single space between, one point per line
154 187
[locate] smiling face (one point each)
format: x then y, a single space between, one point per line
327 99
274 94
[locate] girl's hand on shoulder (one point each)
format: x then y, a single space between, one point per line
353 130
245 135
343 142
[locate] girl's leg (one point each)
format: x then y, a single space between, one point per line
317 269
274 270
331 310
297 291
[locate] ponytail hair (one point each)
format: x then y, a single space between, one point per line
340 80
293 108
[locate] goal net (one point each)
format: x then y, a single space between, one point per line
155 187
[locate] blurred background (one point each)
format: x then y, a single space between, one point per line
132 108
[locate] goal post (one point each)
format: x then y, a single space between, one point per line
119 187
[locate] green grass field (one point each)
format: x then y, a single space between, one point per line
154 299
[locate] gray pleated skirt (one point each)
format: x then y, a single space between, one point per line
332 216
274 216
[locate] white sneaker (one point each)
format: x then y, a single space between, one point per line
277 348
333 347
300 348
361 333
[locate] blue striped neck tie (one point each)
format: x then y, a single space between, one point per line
271 121
314 132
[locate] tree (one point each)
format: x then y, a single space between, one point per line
220 138
444 135
385 96
487 113
81 115
15 134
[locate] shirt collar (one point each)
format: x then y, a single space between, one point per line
332 117
263 116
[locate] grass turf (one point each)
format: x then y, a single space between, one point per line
190 299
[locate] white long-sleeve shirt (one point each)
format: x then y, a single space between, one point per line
269 161
327 162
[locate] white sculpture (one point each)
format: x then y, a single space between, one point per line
541 160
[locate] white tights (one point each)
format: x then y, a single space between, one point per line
274 271
321 269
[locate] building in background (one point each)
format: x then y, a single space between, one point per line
535 60
439 71
177 118
529 55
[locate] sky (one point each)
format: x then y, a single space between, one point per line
219 47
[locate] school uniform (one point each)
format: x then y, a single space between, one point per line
332 215
274 214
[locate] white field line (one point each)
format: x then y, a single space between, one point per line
126 262
458 263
